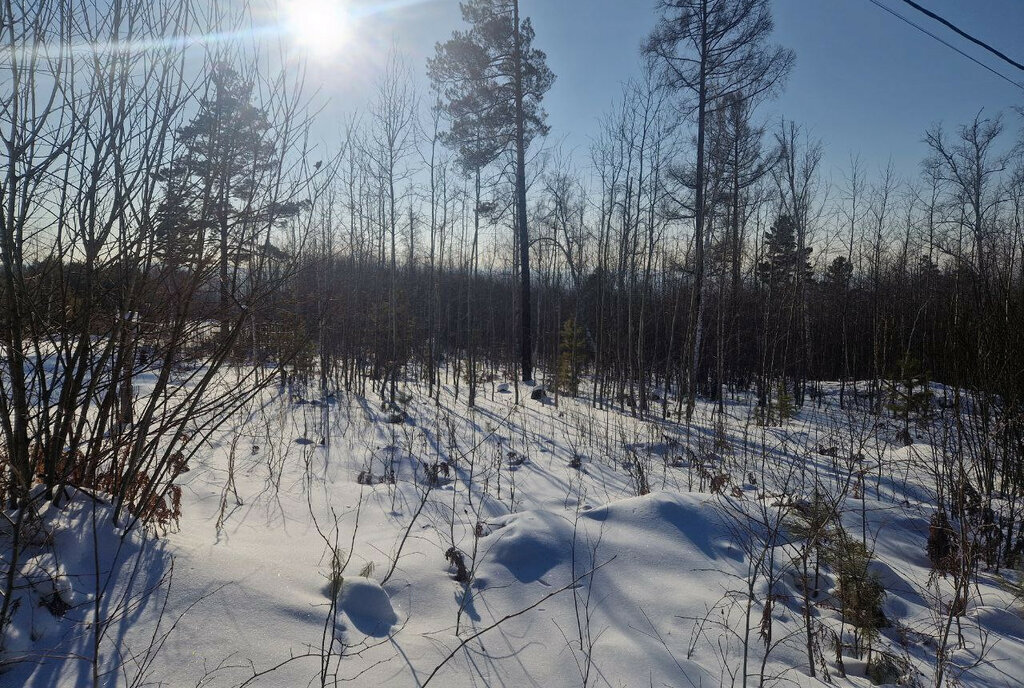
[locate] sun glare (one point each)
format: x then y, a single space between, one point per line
320 26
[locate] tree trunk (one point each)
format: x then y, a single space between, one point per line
522 229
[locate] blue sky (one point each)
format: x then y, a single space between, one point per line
864 82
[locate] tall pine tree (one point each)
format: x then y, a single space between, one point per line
220 187
491 81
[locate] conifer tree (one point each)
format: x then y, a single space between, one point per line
839 274
572 354
909 394
220 187
783 260
491 81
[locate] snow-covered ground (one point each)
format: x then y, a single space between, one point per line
319 543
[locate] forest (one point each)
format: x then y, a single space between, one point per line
437 345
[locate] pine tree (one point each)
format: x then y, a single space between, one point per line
783 260
491 81
784 403
219 189
572 356
838 275
781 270
909 395
859 590
175 229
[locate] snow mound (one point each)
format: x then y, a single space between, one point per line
530 544
1000 621
684 518
70 554
367 606
663 535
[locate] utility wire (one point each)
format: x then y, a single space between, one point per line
947 44
966 35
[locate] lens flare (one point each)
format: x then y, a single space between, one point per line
320 26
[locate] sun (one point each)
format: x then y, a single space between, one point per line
320 26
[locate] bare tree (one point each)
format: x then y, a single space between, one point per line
394 141
711 50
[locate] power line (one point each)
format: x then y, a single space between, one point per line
966 35
947 44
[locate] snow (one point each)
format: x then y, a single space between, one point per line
621 589
367 606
